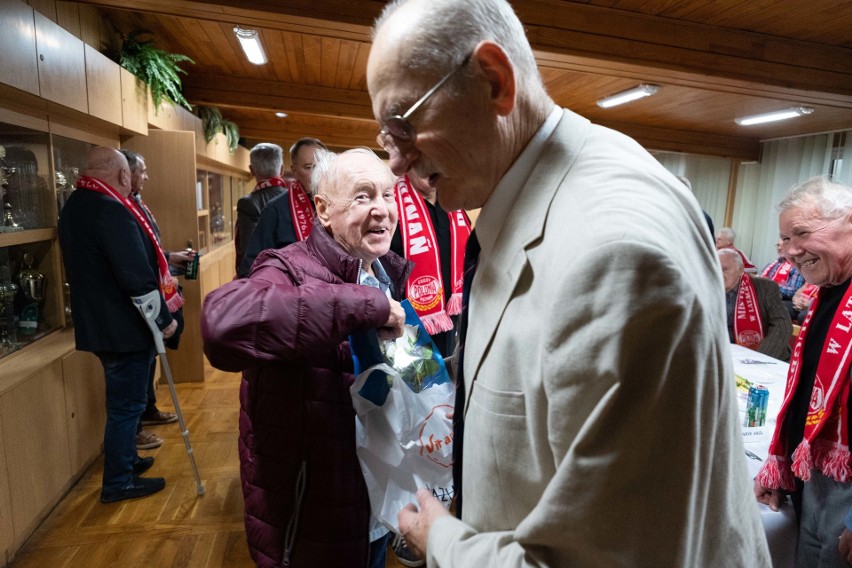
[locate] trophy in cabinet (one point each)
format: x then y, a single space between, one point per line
32 283
64 185
8 224
8 332
66 293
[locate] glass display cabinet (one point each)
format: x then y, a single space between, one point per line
31 298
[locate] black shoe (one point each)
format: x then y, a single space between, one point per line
141 465
139 487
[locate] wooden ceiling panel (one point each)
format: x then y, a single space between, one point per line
821 22
714 61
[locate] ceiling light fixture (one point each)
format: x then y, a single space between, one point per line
250 42
773 116
281 114
628 95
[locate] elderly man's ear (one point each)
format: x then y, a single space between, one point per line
500 75
322 204
124 177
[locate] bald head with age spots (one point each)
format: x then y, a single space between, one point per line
488 98
110 166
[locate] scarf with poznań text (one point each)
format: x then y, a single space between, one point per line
167 284
748 327
301 210
780 276
425 287
825 444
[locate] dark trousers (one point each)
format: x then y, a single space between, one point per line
127 377
379 552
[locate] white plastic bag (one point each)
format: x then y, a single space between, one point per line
404 439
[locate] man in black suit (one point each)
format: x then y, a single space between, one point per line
267 167
288 217
111 256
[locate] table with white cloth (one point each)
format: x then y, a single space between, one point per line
762 370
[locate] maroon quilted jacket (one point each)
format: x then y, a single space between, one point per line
286 329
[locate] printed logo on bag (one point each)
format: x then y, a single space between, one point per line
436 436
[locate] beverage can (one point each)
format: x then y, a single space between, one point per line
758 402
192 267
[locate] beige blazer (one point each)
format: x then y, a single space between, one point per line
601 422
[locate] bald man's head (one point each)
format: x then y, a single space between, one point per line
110 166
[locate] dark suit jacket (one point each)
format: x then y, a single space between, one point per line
273 230
249 208
777 327
108 260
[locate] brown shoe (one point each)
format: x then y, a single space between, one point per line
158 417
146 440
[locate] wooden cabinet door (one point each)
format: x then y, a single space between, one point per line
134 103
7 531
103 86
18 67
35 439
61 65
85 406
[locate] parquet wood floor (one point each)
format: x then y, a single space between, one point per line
175 527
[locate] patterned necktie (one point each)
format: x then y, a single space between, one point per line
471 256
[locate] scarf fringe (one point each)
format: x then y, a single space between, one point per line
803 461
454 306
775 474
174 303
437 323
833 459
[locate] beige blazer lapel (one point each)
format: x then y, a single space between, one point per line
498 271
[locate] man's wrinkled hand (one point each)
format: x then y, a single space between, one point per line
771 497
415 525
170 329
180 258
844 545
396 321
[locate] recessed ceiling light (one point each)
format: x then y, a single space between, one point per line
281 114
250 42
628 95
773 116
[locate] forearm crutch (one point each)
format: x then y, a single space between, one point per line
149 306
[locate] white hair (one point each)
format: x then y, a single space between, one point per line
727 233
266 159
738 260
832 199
325 175
450 29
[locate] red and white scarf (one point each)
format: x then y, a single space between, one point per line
167 284
301 210
269 182
748 326
780 276
425 287
825 445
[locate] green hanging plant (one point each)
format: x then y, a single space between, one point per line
156 67
213 123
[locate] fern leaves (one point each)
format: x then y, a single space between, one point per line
156 67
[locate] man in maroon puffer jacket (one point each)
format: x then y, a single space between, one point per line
286 329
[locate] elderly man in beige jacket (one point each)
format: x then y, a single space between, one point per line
597 394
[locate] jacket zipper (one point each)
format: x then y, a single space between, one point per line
293 523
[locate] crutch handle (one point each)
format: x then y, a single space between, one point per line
149 306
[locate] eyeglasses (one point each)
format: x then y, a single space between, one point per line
397 132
